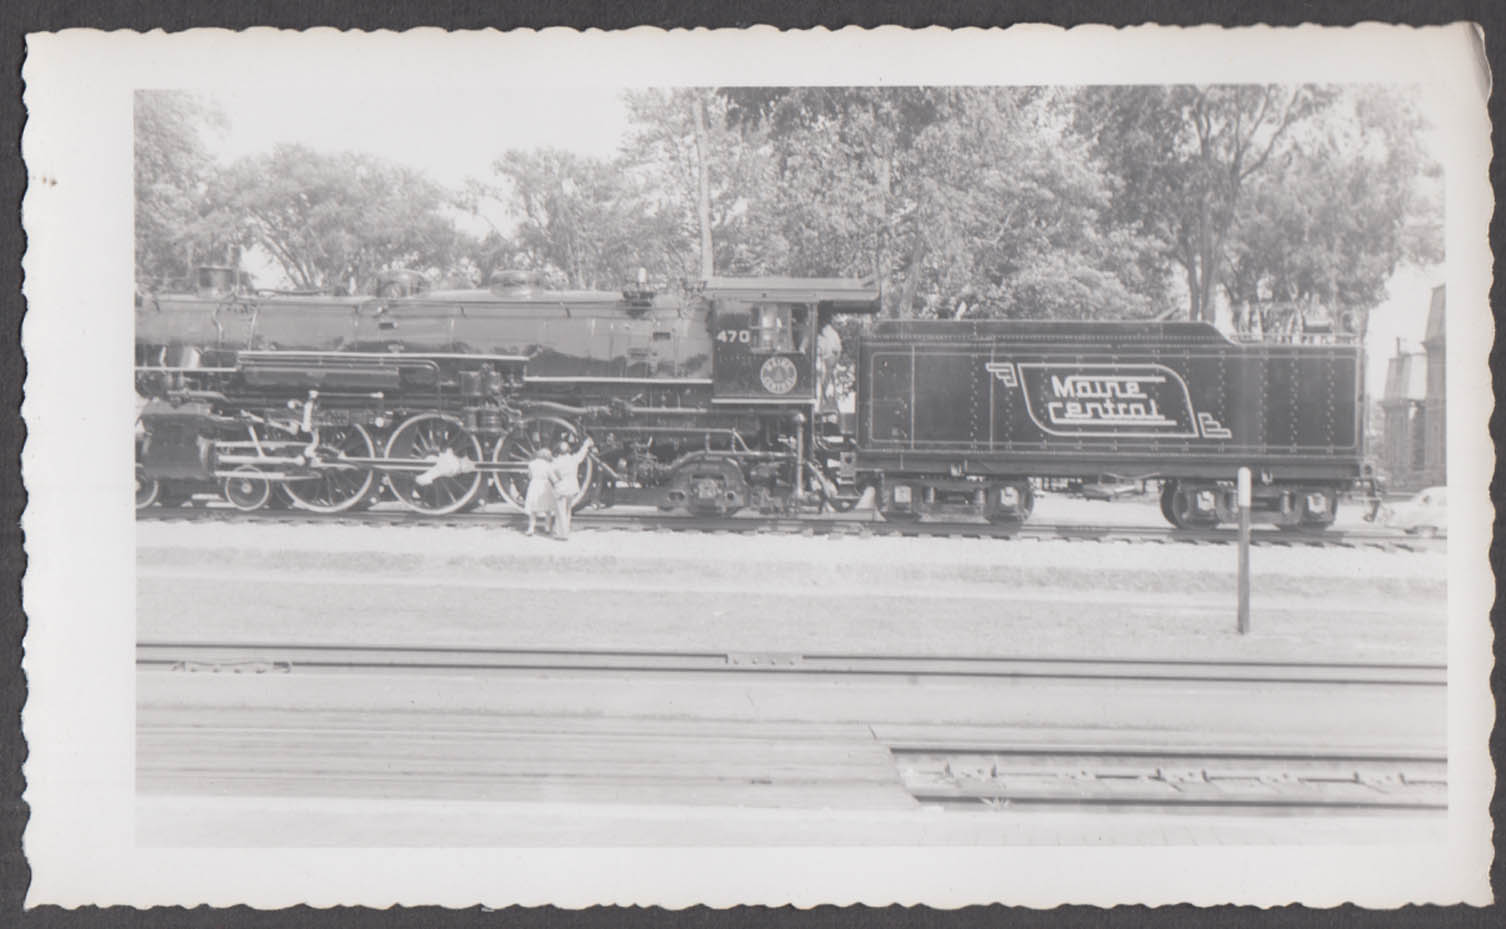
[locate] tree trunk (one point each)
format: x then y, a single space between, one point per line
703 199
881 250
906 307
1194 290
1207 261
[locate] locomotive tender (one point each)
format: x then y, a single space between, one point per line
715 401
961 414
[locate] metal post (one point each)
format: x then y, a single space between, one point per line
799 458
1244 550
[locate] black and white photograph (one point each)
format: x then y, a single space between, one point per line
872 466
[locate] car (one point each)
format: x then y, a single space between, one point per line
1112 490
1425 513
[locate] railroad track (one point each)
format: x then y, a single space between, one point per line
839 525
1248 782
290 658
977 769
980 769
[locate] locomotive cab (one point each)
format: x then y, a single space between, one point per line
765 335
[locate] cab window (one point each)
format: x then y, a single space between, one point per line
771 328
780 328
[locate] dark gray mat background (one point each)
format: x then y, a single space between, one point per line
18 17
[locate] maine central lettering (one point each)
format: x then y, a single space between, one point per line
1105 399
1069 398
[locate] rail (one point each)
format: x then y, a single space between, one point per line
332 657
858 525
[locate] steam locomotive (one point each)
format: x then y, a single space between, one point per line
717 400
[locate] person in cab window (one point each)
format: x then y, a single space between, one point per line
567 483
828 357
772 328
800 324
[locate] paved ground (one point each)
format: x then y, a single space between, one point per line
555 757
618 589
280 822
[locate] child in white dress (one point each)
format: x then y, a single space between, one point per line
540 498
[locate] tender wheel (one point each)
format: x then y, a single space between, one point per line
426 437
1026 506
148 489
1325 515
1182 513
247 490
336 489
1027 499
1168 491
519 446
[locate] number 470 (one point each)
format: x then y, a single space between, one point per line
733 335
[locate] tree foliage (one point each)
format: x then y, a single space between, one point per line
1187 155
1264 193
1100 202
333 221
952 198
661 152
583 217
173 167
1357 200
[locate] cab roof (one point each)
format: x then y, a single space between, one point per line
847 295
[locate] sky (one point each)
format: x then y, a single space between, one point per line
449 134
454 135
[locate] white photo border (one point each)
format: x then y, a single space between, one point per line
79 588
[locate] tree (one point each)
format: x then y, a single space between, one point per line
847 190
946 196
1186 155
332 221
1358 198
586 218
173 166
710 181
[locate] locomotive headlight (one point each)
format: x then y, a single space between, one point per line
1009 496
902 493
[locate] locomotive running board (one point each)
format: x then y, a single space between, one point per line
255 354
781 401
603 379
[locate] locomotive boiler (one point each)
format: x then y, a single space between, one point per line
700 402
